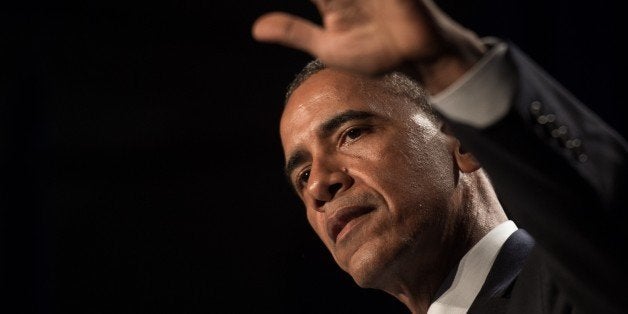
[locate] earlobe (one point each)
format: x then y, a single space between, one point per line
465 160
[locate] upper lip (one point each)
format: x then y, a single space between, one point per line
341 217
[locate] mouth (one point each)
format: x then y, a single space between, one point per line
344 219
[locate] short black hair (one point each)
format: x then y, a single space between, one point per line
396 82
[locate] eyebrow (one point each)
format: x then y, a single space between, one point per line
324 130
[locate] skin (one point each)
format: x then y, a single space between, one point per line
418 202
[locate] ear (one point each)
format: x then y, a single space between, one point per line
465 161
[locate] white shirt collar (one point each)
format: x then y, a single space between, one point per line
472 272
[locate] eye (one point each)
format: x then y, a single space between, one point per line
303 177
353 133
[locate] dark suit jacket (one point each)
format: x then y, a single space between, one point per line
560 173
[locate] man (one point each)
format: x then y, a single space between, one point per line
411 204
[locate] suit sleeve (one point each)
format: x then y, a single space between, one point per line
560 173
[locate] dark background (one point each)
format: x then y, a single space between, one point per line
140 160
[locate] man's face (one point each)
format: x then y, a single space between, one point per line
376 176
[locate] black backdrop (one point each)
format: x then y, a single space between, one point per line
140 162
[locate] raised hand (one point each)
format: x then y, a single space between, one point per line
376 36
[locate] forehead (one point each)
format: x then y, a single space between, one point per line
330 89
326 94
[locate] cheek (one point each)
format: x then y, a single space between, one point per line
426 162
419 168
317 222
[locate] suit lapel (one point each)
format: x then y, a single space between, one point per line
494 295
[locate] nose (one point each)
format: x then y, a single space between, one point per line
326 182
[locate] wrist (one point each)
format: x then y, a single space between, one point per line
454 58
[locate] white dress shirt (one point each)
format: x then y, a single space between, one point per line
472 272
483 94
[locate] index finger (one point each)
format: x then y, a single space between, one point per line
288 30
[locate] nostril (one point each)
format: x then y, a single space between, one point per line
319 203
334 188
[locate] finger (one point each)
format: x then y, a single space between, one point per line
326 6
288 30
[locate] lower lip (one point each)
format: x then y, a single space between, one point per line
348 227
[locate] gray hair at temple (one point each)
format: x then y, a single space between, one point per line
396 83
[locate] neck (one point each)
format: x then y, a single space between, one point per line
419 276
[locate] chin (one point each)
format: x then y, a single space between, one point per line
367 268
